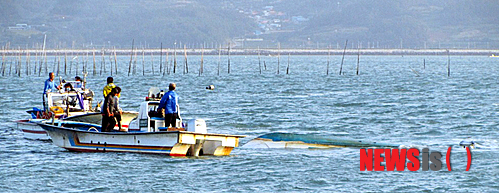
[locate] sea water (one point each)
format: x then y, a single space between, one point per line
407 100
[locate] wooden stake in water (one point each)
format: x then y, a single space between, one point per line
343 57
424 63
110 63
85 65
259 62
228 61
448 63
167 66
131 57
54 63
16 64
186 67
287 69
219 59
40 64
328 59
36 61
58 64
46 63
143 62
175 58
201 66
3 61
71 62
358 61
77 64
65 63
160 59
278 56
135 64
16 58
152 63
45 55
27 61
10 67
83 59
115 62
103 61
19 64
94 69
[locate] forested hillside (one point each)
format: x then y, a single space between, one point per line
250 23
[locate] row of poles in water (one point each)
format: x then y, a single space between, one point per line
64 62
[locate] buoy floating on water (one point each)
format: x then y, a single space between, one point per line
210 87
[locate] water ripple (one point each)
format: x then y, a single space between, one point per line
386 103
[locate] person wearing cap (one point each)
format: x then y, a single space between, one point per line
169 102
50 86
78 82
110 85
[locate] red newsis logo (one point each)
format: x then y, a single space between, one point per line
372 159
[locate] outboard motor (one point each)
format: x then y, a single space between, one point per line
196 125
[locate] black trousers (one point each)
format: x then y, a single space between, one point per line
108 123
171 119
44 103
118 119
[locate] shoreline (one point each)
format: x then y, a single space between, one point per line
263 52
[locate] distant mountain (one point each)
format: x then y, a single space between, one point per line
251 23
387 23
100 23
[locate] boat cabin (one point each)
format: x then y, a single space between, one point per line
72 100
65 104
152 120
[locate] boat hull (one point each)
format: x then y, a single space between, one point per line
31 130
96 118
173 143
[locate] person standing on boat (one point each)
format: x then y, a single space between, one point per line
169 102
107 89
117 109
78 83
50 86
110 85
108 112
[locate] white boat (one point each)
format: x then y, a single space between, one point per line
146 134
74 105
190 141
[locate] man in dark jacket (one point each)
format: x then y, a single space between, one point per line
108 112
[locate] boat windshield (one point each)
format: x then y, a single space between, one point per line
65 100
153 110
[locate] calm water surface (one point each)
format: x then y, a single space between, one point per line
393 100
